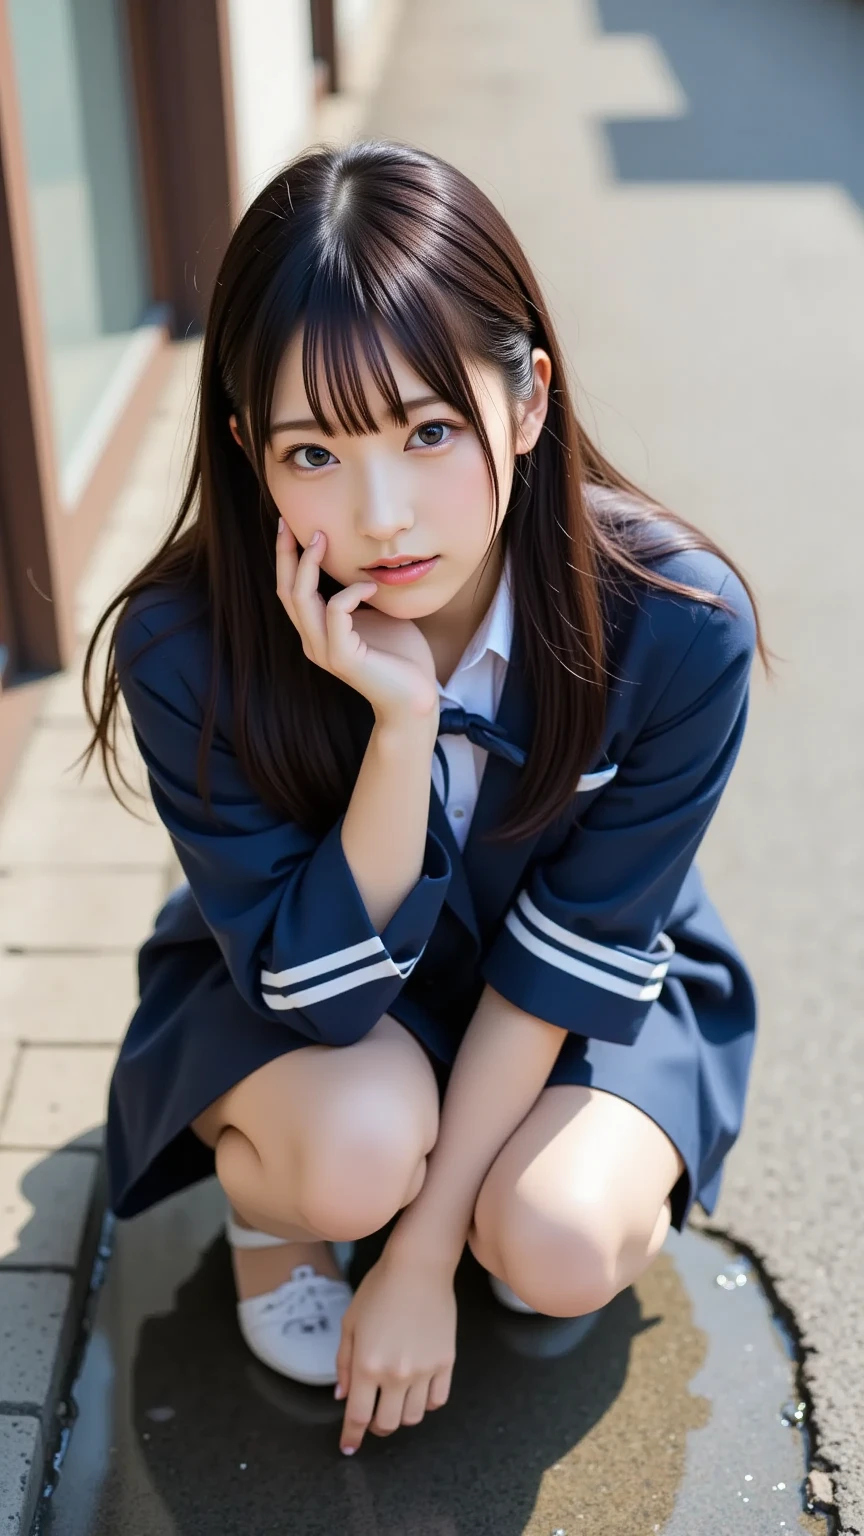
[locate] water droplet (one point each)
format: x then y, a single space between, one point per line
748 1477
746 1500
160 1415
734 1275
793 1412
781 1485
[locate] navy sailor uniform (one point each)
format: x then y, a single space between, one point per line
600 924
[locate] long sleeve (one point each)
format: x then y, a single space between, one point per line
583 945
282 904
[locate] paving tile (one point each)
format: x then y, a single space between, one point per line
34 1339
49 761
22 1459
8 1062
78 909
75 826
62 697
45 1203
60 1092
67 998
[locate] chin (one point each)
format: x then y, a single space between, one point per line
402 603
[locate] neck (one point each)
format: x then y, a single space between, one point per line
450 628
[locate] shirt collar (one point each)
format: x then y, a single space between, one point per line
495 632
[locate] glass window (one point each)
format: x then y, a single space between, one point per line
75 95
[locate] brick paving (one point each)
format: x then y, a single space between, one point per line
80 881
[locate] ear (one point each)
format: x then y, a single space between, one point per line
532 412
235 431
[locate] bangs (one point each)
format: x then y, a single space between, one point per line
349 311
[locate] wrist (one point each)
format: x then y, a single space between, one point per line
407 731
422 1245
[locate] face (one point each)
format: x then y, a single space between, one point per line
419 493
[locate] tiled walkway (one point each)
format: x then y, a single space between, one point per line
80 881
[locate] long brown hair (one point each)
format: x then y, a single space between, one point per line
342 243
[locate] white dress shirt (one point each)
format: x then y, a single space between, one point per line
475 685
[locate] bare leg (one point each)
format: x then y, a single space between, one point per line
576 1205
323 1144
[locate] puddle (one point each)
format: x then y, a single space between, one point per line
662 1416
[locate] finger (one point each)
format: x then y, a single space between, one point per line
286 566
416 1398
309 605
343 1363
439 1389
339 620
391 1404
358 1412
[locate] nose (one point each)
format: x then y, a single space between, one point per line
383 507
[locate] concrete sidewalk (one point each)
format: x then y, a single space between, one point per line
80 880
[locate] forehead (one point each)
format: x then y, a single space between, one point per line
291 400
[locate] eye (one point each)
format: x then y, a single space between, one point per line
432 434
313 457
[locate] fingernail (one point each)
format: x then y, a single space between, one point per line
339 1393
314 539
347 1450
280 527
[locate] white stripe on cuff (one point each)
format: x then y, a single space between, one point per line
332 988
332 962
588 973
650 969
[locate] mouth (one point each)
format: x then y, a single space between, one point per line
398 569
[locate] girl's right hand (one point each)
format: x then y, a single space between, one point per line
387 660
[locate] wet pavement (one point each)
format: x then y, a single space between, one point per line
664 1415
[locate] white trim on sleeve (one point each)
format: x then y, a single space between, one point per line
651 970
589 973
358 976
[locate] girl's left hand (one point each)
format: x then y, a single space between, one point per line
399 1339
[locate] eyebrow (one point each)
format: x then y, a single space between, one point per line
309 424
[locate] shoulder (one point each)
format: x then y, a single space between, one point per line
678 644
162 642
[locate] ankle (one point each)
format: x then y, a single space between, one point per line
287 1231
257 1271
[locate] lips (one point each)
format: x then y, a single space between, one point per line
390 574
393 562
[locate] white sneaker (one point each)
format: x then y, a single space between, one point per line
509 1298
297 1328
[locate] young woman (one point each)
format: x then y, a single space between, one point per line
436 708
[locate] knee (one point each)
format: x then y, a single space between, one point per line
564 1263
364 1162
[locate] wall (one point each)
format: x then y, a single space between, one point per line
271 60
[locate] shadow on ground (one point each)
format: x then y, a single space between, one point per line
774 86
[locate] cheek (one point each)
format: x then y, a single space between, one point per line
303 506
458 497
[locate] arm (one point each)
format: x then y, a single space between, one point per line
502 1065
388 814
283 905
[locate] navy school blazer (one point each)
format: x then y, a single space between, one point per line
575 925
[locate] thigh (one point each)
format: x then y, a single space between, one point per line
582 1153
386 1073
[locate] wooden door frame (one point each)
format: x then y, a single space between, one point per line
181 81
